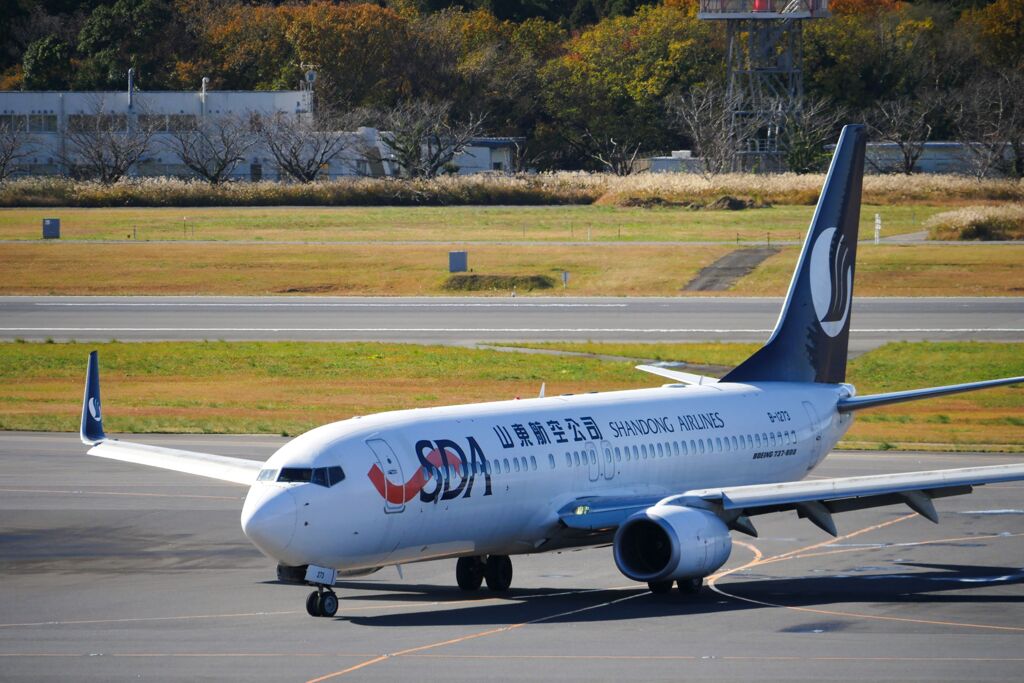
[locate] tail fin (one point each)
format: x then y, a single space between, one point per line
810 339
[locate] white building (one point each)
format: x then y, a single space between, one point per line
47 117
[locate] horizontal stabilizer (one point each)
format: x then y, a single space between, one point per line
676 375
860 402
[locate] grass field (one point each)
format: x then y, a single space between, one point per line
219 387
444 224
421 269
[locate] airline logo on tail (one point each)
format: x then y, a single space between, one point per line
94 410
831 280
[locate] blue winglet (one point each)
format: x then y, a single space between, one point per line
92 418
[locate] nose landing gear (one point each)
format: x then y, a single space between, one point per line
322 603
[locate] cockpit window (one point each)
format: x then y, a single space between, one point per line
267 475
322 476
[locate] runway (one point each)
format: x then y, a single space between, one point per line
112 571
478 319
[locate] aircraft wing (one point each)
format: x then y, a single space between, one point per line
236 470
817 500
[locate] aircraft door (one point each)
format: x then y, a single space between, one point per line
607 462
593 461
391 468
815 444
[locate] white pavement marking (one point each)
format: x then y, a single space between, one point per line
709 330
390 304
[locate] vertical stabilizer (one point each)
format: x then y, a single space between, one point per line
810 340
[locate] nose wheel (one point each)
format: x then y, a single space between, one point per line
322 603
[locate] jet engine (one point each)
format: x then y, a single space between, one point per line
669 542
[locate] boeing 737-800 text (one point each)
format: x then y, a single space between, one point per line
663 474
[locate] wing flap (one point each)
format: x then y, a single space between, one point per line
236 470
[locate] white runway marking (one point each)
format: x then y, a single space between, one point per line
706 330
388 304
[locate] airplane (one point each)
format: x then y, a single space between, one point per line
663 475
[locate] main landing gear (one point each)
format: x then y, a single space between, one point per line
322 603
686 586
471 572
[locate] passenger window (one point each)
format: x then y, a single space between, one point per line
516 461
576 458
693 447
718 444
710 445
701 443
551 460
568 459
593 457
643 450
675 448
636 453
735 446
618 454
508 468
661 451
533 463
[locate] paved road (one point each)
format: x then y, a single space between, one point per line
470 320
113 572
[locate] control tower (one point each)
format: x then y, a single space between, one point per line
765 74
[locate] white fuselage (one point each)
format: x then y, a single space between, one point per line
490 478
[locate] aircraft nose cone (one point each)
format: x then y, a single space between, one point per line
268 519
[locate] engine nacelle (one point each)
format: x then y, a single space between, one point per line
668 542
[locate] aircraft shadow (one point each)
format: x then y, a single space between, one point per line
943 583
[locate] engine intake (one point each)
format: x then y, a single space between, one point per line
668 542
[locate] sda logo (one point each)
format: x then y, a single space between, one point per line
831 280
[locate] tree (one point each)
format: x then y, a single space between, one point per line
990 123
47 64
705 114
424 137
606 95
143 34
15 145
213 147
357 49
904 122
304 145
103 145
805 130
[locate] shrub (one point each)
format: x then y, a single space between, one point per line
978 223
483 283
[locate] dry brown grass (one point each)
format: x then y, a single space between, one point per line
291 387
978 223
178 268
547 188
441 224
910 270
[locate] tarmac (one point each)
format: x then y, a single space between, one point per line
113 572
474 320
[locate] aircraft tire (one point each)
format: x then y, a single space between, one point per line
313 604
690 586
328 604
659 587
498 573
469 573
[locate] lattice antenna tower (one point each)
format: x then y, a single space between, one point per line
765 73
